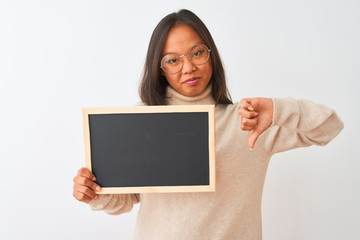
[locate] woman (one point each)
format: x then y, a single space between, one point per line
183 67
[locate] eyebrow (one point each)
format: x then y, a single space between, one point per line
188 50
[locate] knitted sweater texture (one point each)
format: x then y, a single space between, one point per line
234 210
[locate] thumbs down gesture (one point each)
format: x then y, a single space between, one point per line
256 116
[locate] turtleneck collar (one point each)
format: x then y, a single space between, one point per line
175 98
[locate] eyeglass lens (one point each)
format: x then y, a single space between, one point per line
172 63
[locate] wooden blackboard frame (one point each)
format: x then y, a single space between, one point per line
209 109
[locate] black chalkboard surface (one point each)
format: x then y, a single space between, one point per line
151 148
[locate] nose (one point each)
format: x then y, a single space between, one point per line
188 66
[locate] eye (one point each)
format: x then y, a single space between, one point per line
172 61
198 53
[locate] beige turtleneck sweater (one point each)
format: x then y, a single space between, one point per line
234 210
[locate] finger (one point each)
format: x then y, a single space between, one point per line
253 137
83 181
82 197
86 191
248 124
245 128
243 112
84 172
245 102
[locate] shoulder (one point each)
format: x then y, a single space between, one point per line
228 108
226 113
140 104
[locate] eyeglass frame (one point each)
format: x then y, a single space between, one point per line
188 55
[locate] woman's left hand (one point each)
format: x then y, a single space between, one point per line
256 116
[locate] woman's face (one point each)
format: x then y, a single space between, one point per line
192 79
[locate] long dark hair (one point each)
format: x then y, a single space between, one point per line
153 85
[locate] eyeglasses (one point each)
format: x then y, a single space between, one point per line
172 63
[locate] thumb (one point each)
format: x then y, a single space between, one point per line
253 137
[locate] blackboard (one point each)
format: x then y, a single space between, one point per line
151 148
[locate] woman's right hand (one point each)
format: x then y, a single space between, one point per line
85 187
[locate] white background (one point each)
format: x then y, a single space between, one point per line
59 56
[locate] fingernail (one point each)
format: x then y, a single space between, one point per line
96 197
94 178
250 148
251 108
98 188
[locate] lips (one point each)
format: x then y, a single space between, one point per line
192 81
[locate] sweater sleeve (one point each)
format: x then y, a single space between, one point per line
115 204
300 123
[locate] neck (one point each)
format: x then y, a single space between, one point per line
175 98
